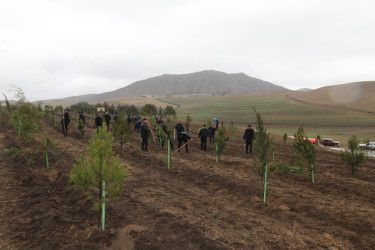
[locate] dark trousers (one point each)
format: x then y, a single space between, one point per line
212 137
64 128
144 143
249 144
203 143
97 128
180 143
107 125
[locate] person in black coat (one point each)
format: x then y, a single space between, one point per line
107 118
211 133
145 134
203 133
137 125
249 137
65 120
115 117
98 122
184 138
179 128
129 119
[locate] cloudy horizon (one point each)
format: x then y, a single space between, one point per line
56 49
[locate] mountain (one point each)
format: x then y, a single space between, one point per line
303 90
359 96
208 82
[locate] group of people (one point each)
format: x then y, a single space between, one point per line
144 128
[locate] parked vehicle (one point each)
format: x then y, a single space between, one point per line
369 145
330 142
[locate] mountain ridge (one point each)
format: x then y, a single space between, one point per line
207 82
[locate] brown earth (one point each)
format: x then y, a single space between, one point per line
197 204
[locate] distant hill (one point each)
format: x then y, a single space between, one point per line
208 82
358 96
303 90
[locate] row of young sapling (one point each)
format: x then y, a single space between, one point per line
100 173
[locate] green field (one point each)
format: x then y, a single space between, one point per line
275 109
280 115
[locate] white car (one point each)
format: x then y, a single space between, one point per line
370 145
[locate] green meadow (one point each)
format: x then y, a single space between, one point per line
279 113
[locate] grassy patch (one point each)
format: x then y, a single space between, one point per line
281 166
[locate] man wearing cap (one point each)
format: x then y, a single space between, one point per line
145 134
65 120
249 137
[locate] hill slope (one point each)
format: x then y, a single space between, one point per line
356 96
208 82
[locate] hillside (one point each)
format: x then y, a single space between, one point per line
208 82
358 96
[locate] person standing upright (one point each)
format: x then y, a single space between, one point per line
203 133
107 118
249 137
145 134
211 133
98 122
65 120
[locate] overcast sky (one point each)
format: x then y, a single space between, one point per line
55 49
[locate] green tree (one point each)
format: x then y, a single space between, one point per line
208 124
304 148
82 127
285 138
122 131
221 142
27 120
188 122
149 110
353 155
232 129
98 168
318 139
169 111
262 147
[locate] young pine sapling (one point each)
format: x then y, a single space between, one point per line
99 169
353 155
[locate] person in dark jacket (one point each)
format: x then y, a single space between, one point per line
137 125
107 118
203 133
249 137
115 117
129 119
98 122
65 120
184 138
211 133
145 134
179 128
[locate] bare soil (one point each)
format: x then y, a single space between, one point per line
197 204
